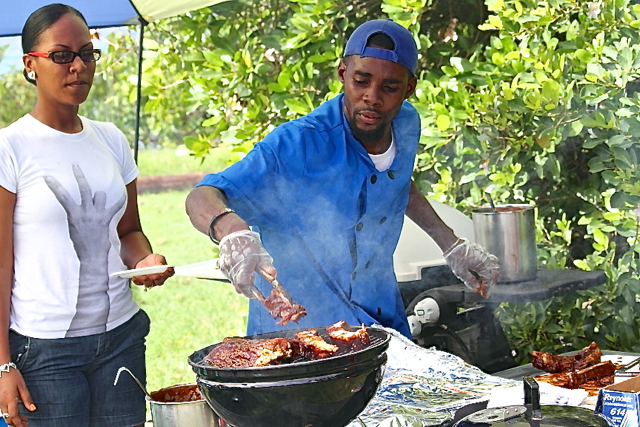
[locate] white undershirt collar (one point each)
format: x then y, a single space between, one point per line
383 161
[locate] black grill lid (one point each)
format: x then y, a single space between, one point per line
534 415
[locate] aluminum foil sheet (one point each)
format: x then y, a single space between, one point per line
424 387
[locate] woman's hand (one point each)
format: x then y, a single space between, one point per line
12 388
151 280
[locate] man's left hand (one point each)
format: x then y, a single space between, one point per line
477 268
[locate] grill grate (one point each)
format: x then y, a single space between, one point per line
374 341
376 345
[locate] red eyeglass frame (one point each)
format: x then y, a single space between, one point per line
76 54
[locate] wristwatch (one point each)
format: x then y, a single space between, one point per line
212 233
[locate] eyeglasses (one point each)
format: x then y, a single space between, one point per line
68 56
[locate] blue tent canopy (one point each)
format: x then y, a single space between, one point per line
101 13
105 13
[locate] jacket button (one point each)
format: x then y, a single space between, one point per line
374 178
383 219
359 226
368 264
353 276
390 173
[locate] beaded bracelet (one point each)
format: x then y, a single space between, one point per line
6 367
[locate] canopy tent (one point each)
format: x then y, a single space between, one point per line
106 13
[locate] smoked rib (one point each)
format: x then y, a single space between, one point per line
239 352
552 363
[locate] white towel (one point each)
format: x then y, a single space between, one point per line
549 395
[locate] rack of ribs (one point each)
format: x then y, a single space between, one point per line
552 363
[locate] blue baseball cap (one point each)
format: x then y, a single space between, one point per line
404 52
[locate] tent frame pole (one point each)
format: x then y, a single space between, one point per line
136 141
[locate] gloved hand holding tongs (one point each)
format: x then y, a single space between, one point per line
242 255
471 263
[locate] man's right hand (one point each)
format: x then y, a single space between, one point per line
242 254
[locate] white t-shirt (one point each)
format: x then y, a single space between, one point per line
70 196
383 161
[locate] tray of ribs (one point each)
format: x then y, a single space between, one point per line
292 353
587 369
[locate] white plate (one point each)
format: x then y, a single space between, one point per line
155 269
201 270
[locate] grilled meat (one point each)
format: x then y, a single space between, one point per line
313 346
345 339
552 363
237 352
601 373
582 370
281 308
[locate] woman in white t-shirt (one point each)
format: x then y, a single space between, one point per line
68 220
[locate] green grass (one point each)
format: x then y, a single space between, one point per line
173 161
186 314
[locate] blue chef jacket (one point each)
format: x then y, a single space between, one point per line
328 218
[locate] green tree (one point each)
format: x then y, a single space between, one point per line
16 95
545 113
533 99
114 92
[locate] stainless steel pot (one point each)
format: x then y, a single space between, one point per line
168 411
508 232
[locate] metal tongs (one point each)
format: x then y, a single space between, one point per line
275 283
279 304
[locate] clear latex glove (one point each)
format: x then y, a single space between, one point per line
477 268
241 254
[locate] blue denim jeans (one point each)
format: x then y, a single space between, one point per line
71 379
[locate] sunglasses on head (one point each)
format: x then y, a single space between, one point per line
68 56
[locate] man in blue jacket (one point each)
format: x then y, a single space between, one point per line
326 195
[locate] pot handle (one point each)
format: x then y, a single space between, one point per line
532 396
134 378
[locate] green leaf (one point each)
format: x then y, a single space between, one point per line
551 90
462 64
625 58
443 122
296 105
494 5
576 128
596 70
527 18
229 137
211 121
583 55
275 87
616 140
581 264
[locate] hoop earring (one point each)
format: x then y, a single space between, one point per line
32 75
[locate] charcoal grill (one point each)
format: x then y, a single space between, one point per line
328 392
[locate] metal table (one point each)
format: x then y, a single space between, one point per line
549 283
467 326
519 372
